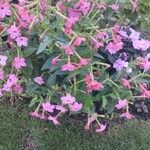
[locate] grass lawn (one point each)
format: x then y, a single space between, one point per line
20 132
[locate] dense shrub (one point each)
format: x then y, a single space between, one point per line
74 56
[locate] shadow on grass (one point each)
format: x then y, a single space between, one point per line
20 132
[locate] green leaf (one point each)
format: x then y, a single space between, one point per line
46 42
104 102
51 80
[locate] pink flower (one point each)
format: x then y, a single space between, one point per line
55 61
22 2
34 114
134 35
127 115
61 108
39 80
12 80
126 83
26 18
78 41
1 74
54 120
75 107
19 62
91 119
102 6
48 107
68 67
120 64
113 48
83 62
144 91
114 7
121 104
68 49
5 10
94 86
83 6
22 41
60 5
73 13
3 60
135 4
143 63
68 99
102 128
141 44
13 31
18 89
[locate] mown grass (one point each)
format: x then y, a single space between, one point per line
17 130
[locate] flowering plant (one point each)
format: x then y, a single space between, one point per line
73 56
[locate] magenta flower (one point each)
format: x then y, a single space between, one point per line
143 63
127 115
73 13
75 107
121 104
102 128
39 80
48 107
68 99
126 83
114 7
3 60
68 67
5 10
19 62
22 41
13 31
12 79
120 64
54 120
35 114
83 62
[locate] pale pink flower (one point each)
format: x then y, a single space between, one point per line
12 79
18 88
13 31
102 128
121 104
114 7
60 5
143 63
48 107
102 6
35 114
68 49
19 62
78 41
22 2
39 80
141 44
68 67
22 41
113 48
91 119
135 4
54 120
61 108
120 64
126 83
3 60
1 74
5 10
144 91
134 35
127 115
68 99
75 107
